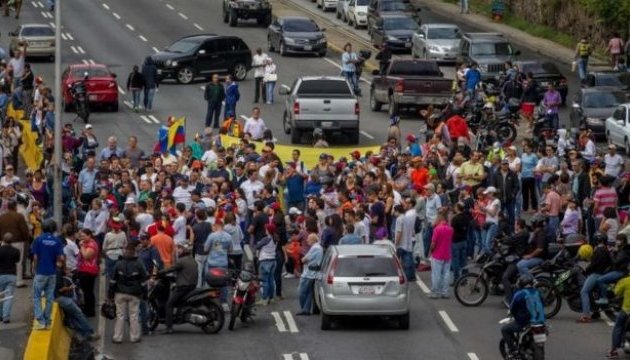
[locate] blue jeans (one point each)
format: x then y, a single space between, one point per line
427 235
266 270
144 316
149 94
474 239
552 226
582 64
439 276
7 287
135 95
43 285
524 265
229 110
224 289
305 294
351 76
406 260
74 317
487 235
269 86
585 293
607 278
459 258
109 267
619 329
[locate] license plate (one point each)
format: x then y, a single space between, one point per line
37 44
93 97
308 47
327 124
540 338
367 290
408 45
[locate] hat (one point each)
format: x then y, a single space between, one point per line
218 222
355 154
612 146
411 138
196 164
490 189
130 201
512 147
294 211
116 223
274 206
88 126
375 160
323 156
505 161
271 228
430 186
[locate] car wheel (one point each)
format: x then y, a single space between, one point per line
233 20
239 71
283 49
403 322
226 16
353 137
296 136
286 126
270 44
326 321
185 75
626 145
375 105
338 15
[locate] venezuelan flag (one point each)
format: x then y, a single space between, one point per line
162 145
176 133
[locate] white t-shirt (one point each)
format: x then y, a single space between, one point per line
179 225
614 164
494 205
209 157
256 127
259 71
71 252
18 66
5 181
144 220
249 187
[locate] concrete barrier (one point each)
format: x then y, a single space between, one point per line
53 344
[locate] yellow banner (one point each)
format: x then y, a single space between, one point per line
309 154
30 152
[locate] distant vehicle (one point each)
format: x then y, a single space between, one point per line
376 8
362 280
325 102
616 79
592 106
260 10
618 127
327 4
200 56
99 81
296 34
545 73
356 13
409 83
489 50
40 39
436 42
396 30
341 9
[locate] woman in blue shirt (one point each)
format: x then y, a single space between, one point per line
529 160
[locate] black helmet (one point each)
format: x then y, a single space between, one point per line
249 267
49 226
524 280
538 220
600 238
108 310
22 198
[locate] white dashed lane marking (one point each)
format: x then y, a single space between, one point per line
116 16
81 50
130 27
170 6
183 16
74 49
447 320
142 38
473 356
145 118
155 120
156 49
198 27
106 6
120 90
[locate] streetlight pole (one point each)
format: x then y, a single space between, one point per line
57 156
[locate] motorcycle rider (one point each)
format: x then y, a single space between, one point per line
186 281
599 264
619 268
622 289
538 246
526 308
518 244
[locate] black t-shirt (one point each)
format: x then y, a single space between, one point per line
460 223
258 222
201 231
9 257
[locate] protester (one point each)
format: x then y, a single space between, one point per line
9 262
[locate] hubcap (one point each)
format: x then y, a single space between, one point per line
240 71
185 75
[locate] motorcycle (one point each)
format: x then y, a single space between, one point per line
79 93
245 289
200 307
363 56
530 342
472 289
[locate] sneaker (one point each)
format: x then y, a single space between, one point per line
601 301
261 302
39 326
225 307
445 296
612 354
94 337
289 276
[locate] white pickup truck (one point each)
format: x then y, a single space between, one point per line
618 127
325 102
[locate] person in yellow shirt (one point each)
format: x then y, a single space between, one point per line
35 219
622 289
472 172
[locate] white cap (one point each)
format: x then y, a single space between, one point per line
294 211
88 126
490 189
209 203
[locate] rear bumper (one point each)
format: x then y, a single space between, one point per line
326 125
399 46
420 99
252 13
103 97
41 51
377 305
306 48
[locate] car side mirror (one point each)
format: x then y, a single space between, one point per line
620 122
284 90
201 52
114 75
376 73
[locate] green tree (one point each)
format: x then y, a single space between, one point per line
614 13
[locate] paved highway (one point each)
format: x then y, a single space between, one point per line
120 34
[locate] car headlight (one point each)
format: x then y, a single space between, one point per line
434 48
172 63
483 67
593 121
392 38
321 41
289 40
168 62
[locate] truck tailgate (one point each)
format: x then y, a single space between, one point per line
427 86
333 108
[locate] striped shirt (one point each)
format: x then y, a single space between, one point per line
604 197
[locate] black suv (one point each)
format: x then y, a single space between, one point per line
233 10
377 8
203 55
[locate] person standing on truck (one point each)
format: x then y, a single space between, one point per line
473 77
348 65
583 51
384 56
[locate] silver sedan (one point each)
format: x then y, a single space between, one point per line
436 42
39 38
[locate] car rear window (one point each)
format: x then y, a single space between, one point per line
414 68
361 266
38 31
92 72
324 87
540 68
609 80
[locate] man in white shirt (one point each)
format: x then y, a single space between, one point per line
179 225
258 63
252 188
182 192
17 64
590 151
614 162
255 125
143 218
209 158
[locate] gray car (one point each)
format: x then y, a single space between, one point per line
362 280
436 42
40 39
592 106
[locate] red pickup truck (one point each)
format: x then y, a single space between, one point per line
409 83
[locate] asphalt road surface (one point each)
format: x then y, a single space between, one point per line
120 34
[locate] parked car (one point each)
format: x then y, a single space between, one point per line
618 127
235 10
436 42
356 13
489 50
376 8
362 280
545 73
592 106
617 79
409 83
296 34
100 82
200 56
327 4
341 9
39 38
325 102
396 30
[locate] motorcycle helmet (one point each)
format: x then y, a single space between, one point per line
49 226
538 220
524 281
599 237
394 120
585 252
249 267
108 310
318 133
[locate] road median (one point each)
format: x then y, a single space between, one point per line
53 344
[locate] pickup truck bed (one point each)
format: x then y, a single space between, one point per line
409 83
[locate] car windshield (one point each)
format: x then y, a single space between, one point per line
600 100
324 87
92 72
395 6
492 49
183 46
38 31
300 26
443 33
362 2
399 23
540 68
609 80
362 266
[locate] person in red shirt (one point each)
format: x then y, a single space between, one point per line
457 127
160 219
420 174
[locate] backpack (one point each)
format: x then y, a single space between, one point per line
535 306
